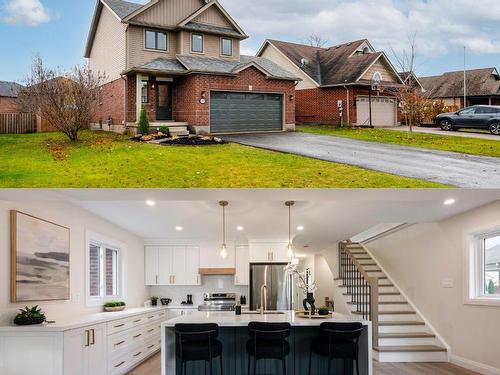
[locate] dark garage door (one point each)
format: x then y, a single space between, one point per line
234 112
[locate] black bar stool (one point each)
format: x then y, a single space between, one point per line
198 342
337 340
268 341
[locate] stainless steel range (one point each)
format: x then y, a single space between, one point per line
218 302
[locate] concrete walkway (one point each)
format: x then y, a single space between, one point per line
449 168
461 133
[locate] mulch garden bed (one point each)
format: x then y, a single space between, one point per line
192 140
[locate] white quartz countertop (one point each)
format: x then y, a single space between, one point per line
66 324
230 319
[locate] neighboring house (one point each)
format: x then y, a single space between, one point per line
411 79
340 73
181 60
8 97
483 87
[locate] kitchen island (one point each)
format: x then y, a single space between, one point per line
233 333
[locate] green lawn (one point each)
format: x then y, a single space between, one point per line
105 160
473 146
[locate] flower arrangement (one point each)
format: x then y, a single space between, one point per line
303 280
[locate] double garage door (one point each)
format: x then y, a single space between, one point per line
238 112
383 111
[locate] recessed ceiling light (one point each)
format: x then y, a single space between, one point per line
151 203
300 228
179 228
239 228
450 201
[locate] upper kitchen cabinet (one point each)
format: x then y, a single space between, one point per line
269 252
172 265
242 276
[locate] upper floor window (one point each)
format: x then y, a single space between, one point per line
156 40
197 43
226 47
484 269
103 270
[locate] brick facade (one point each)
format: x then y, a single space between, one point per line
187 92
319 105
112 104
9 105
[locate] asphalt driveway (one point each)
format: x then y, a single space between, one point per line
449 168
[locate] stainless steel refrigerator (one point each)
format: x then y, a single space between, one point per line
279 286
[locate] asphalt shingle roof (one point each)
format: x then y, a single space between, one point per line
9 89
212 29
184 64
122 8
329 66
480 82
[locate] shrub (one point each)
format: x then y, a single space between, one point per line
164 129
143 122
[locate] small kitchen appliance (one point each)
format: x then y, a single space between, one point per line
218 302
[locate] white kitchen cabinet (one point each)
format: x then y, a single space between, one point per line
242 276
85 350
274 252
172 265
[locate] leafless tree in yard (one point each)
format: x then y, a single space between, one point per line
65 100
316 40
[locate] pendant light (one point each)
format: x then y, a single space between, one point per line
290 204
223 248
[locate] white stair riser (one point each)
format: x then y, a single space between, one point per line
398 317
403 329
411 356
386 289
407 341
397 297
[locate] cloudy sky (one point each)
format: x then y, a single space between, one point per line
57 29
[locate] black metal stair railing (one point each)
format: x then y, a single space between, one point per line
361 288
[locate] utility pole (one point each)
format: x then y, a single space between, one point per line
465 79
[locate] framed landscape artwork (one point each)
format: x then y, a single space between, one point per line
39 259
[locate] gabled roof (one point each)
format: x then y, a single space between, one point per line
480 82
122 8
189 64
9 89
331 66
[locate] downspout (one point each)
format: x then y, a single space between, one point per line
348 106
125 101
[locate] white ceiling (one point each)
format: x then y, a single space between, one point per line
328 216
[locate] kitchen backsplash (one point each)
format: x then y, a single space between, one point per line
210 284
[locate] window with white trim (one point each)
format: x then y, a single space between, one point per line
484 268
103 271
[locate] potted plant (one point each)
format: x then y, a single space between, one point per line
29 316
114 306
323 311
154 301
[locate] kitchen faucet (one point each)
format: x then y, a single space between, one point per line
263 298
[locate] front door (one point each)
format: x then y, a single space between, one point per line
163 101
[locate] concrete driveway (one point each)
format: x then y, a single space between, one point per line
449 168
461 133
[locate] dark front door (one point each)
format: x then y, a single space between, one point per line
164 101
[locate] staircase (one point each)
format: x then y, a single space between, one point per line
177 129
399 333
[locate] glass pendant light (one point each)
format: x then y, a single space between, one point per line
223 248
290 204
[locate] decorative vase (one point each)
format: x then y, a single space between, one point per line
309 300
154 302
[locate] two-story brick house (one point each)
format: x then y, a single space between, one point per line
181 60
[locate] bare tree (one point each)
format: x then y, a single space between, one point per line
316 40
65 100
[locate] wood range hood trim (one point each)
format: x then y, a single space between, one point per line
218 271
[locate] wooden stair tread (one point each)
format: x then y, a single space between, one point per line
402 323
410 348
380 294
397 312
392 302
365 258
405 335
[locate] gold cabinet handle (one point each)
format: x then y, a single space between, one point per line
150 346
119 364
151 317
119 325
92 342
137 354
139 335
87 337
119 343
137 321
151 330
156 279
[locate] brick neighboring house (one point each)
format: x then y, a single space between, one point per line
339 73
8 97
181 60
483 87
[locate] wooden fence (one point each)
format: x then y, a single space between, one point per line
17 123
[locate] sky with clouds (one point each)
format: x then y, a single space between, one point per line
57 29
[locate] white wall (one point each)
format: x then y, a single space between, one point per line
324 280
78 220
420 257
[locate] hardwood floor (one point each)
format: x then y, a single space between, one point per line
153 367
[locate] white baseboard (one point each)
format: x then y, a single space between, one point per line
474 366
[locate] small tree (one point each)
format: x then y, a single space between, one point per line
144 122
315 40
66 100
